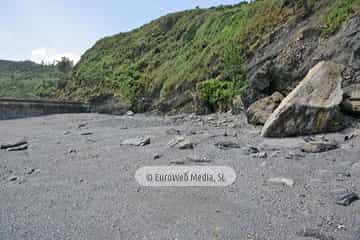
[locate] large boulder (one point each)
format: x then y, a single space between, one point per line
312 107
261 110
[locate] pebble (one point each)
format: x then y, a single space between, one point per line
186 144
226 145
139 141
285 181
176 141
13 178
198 160
157 156
345 198
172 131
130 113
319 146
178 162
261 155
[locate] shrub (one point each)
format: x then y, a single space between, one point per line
216 94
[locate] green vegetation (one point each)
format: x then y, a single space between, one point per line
28 80
163 58
340 11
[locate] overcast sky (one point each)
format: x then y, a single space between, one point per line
48 29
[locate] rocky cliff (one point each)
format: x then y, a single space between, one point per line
199 60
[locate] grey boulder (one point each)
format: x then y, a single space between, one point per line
312 107
261 110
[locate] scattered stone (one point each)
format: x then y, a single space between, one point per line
252 150
295 156
345 198
237 105
178 162
13 178
275 154
82 125
226 145
13 145
319 146
130 113
312 107
139 141
157 156
314 233
86 134
72 151
198 160
15 149
260 111
192 132
29 171
285 181
351 103
172 131
262 155
186 144
176 141
66 133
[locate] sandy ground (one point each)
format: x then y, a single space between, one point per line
73 186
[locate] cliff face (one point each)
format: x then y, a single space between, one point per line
265 45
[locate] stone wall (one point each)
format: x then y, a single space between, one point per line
12 109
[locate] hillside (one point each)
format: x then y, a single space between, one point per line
28 80
203 58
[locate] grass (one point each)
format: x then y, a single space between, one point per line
339 11
174 52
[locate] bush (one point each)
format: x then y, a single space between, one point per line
215 94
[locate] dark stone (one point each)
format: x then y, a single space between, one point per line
226 145
346 198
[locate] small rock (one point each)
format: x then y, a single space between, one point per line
139 141
345 198
73 151
21 148
285 181
82 125
275 154
157 156
178 162
13 178
172 131
13 145
198 160
261 155
67 133
186 144
319 146
86 134
130 113
226 145
176 141
314 233
295 156
30 171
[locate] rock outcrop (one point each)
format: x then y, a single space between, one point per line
261 110
351 103
312 107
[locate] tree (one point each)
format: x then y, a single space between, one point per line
65 65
